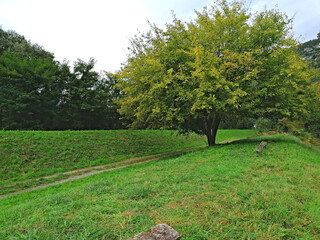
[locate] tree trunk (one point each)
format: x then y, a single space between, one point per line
211 129
211 140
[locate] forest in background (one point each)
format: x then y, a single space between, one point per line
38 92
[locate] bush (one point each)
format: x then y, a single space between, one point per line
266 125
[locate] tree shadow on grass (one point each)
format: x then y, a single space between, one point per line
273 138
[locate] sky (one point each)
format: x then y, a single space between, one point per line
102 29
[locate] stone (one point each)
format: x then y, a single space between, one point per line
158 232
261 146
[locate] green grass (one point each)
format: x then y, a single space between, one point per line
28 155
223 192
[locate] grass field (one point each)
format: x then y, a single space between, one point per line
223 192
26 156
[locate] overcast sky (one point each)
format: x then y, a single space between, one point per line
101 29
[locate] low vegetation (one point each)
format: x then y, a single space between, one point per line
225 192
26 155
227 66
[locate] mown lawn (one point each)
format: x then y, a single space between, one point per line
223 192
29 155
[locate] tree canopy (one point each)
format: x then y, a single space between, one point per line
39 93
226 62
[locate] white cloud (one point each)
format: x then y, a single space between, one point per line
101 28
77 29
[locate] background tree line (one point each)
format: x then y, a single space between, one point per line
40 93
228 68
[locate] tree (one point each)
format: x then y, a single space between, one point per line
12 42
88 98
313 121
29 89
37 92
28 93
227 62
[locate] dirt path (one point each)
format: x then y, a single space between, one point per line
84 172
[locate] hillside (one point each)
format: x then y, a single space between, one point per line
225 192
311 51
27 156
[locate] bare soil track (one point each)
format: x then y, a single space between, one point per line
84 172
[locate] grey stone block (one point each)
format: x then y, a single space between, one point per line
158 232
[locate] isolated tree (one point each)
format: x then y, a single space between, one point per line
227 62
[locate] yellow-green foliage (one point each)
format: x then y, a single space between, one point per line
225 62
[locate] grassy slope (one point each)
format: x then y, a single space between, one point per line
225 192
31 154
